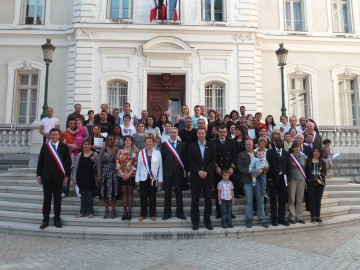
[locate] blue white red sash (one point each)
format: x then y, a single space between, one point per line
56 156
145 155
298 165
175 153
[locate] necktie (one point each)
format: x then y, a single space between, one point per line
53 145
222 142
279 153
174 144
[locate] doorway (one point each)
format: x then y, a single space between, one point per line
166 92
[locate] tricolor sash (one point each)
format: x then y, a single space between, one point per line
144 155
176 155
298 165
56 156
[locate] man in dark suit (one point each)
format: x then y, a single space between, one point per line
174 155
225 159
316 138
306 150
202 157
277 178
53 170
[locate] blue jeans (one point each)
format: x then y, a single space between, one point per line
262 181
87 202
226 212
249 193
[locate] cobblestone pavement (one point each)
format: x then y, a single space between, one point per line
337 248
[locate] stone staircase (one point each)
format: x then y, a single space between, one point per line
21 204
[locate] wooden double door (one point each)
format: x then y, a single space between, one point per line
166 92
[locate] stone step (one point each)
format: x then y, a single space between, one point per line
343 194
355 209
98 221
17 176
22 170
168 233
348 187
349 201
73 209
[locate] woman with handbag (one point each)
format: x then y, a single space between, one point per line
316 173
149 176
126 163
84 178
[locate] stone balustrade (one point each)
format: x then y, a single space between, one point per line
344 137
15 139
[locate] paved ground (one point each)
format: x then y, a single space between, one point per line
337 248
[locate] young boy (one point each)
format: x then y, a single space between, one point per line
258 163
327 155
226 199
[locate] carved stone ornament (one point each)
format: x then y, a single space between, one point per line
27 65
298 70
348 71
244 37
87 33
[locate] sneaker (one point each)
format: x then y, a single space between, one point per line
264 224
265 195
254 182
63 195
248 224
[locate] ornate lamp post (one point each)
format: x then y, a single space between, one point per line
48 51
281 54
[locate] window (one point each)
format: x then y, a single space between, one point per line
118 94
349 101
214 97
120 9
33 11
299 97
294 15
213 10
27 93
341 12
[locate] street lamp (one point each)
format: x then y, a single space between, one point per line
281 54
48 51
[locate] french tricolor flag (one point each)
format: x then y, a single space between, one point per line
176 10
153 10
163 11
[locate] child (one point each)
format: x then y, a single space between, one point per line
259 163
79 137
327 155
226 199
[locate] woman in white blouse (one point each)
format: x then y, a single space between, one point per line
149 176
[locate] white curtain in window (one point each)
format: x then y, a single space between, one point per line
214 97
117 94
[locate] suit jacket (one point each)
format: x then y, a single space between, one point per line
225 153
317 140
307 151
170 165
47 168
276 165
243 162
196 163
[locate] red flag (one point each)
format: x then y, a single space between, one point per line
163 12
153 11
176 10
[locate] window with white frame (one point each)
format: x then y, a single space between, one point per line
213 10
27 98
299 97
117 94
349 101
120 9
294 15
33 11
342 16
214 96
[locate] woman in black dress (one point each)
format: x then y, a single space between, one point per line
84 178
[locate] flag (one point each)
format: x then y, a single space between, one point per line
153 11
176 10
163 11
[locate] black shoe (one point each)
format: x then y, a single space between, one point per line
128 217
319 220
57 223
165 217
44 224
181 217
274 223
284 222
233 216
195 227
301 221
230 226
264 224
292 221
124 216
313 220
248 224
218 216
209 227
225 226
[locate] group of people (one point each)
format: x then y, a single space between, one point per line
222 158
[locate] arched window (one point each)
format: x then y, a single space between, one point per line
349 100
27 91
117 94
299 96
214 96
